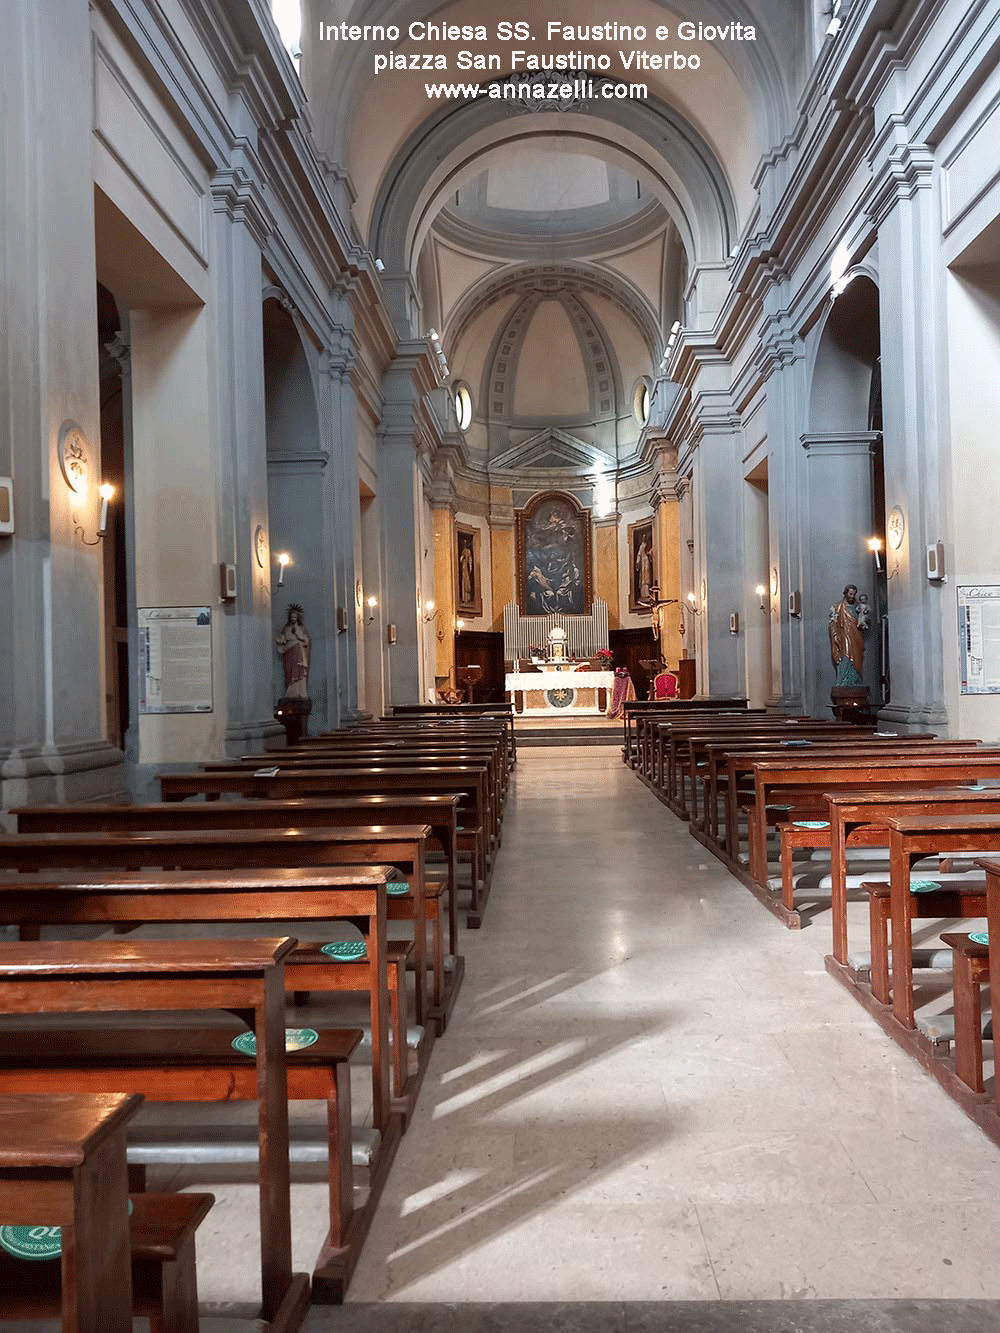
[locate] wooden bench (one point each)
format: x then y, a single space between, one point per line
243 976
802 783
956 899
355 893
468 784
164 1280
436 811
254 848
177 1064
912 837
970 972
62 1164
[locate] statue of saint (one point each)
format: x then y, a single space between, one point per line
466 576
644 572
294 644
849 620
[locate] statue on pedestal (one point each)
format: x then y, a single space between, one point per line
849 620
294 645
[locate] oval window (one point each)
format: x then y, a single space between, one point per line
463 407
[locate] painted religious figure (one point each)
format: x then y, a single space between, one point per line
849 620
554 555
468 590
294 645
643 574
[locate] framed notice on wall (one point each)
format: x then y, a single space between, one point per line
979 637
175 659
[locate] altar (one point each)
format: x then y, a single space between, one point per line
559 689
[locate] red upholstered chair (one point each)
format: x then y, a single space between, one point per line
665 686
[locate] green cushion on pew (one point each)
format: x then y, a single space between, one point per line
345 951
811 823
296 1039
397 888
979 937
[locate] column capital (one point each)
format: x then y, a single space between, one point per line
237 195
831 444
900 169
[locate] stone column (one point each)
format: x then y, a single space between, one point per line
52 714
339 414
400 495
783 365
240 233
837 520
719 556
915 443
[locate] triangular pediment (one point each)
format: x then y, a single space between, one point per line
552 450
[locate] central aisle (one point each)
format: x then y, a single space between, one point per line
650 1091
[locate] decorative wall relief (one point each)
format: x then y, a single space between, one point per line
553 556
468 571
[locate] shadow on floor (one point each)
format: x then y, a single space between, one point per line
665 1317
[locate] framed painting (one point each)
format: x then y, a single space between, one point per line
642 565
553 556
468 571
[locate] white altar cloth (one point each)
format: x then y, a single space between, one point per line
563 693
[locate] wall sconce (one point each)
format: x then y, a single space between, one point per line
734 623
875 546
430 611
6 506
107 492
284 560
459 626
761 592
390 633
372 603
341 619
692 604
795 604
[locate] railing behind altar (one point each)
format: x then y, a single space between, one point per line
584 634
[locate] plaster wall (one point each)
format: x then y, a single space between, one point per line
973 554
174 500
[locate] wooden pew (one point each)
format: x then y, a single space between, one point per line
113 976
912 837
164 1279
468 784
173 1064
858 818
503 712
244 848
805 781
198 896
62 1164
439 812
637 709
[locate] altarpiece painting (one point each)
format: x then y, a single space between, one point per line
553 556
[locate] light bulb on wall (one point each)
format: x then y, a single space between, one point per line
107 494
761 592
372 603
284 560
875 546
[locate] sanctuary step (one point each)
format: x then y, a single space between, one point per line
565 733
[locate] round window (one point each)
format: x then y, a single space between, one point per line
640 402
463 407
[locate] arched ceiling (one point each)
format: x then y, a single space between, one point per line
520 232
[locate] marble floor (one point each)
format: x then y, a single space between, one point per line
652 1110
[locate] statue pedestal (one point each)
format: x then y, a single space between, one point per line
851 703
293 714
